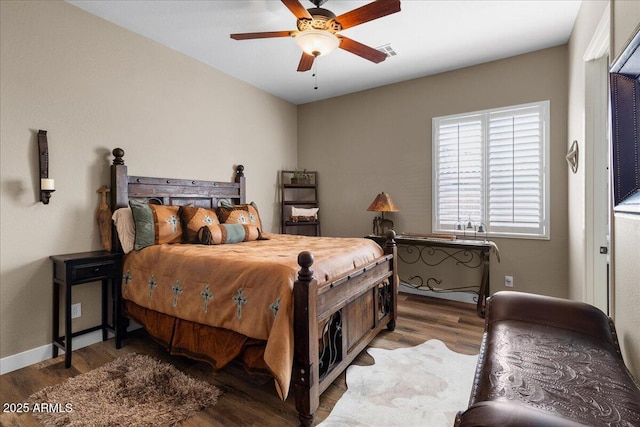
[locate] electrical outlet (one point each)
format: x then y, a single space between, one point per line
76 310
508 281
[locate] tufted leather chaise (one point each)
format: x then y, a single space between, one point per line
548 361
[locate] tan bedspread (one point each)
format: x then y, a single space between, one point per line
245 287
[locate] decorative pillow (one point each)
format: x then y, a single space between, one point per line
125 227
228 233
155 224
193 219
239 214
304 214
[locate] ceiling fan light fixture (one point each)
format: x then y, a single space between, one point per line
317 42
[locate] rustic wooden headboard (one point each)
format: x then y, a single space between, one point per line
171 191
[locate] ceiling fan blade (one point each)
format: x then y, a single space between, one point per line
297 9
306 62
368 12
362 50
263 35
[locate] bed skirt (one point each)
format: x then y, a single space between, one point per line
210 344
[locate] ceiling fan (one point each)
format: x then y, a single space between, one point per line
318 28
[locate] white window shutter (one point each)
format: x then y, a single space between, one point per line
516 171
460 163
490 167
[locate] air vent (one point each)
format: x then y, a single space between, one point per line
387 49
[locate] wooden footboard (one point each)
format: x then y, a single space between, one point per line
335 322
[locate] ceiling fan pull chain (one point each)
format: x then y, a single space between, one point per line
315 75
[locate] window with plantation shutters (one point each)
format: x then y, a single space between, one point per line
490 168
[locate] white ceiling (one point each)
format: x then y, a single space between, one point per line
428 36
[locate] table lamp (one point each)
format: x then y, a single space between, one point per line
382 203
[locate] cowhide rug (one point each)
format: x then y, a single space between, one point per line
421 386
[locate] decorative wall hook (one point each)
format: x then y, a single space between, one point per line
47 185
572 157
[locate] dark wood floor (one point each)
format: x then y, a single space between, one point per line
247 400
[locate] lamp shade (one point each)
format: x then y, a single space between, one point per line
317 42
383 203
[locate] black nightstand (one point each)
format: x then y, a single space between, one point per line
75 269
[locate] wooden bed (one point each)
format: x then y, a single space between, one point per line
333 321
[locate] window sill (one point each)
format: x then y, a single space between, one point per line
491 236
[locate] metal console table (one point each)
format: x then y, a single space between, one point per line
432 252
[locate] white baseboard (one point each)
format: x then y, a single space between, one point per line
40 354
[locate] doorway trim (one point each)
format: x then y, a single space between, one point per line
598 283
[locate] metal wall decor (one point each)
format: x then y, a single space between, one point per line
572 157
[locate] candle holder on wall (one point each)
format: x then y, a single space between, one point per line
47 185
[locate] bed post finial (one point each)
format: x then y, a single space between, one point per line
239 171
305 260
391 236
118 153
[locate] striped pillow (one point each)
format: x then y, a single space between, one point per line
228 233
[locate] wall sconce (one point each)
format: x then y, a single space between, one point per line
382 203
572 157
47 185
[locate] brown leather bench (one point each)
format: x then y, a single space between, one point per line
549 362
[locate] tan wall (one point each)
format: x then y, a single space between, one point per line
380 140
95 86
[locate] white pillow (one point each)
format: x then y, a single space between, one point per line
126 228
304 212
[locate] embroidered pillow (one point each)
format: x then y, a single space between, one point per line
228 233
155 224
239 214
193 219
